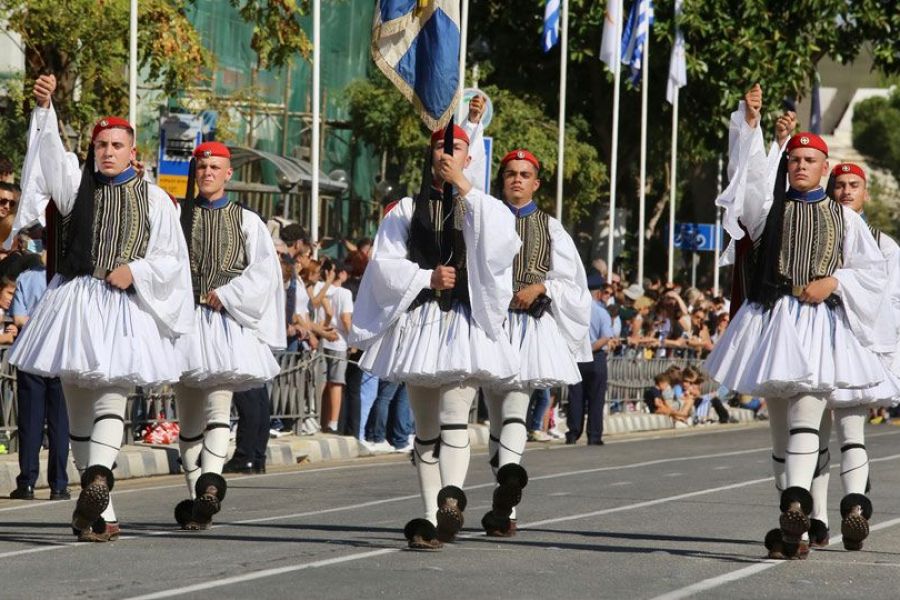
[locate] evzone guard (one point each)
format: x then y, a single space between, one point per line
431 313
120 296
806 333
238 320
548 323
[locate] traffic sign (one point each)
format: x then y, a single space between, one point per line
179 134
697 237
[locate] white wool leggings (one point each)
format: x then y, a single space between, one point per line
441 448
507 411
778 427
802 453
96 428
851 424
204 419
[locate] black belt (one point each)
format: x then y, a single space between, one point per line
832 301
430 295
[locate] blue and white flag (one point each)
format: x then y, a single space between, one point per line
415 43
550 36
635 35
677 62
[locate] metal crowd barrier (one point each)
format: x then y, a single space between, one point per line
293 395
294 392
628 377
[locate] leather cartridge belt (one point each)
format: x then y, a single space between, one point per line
796 291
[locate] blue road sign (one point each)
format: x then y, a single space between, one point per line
697 237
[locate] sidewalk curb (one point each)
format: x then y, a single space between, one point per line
145 460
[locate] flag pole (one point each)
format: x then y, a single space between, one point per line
717 235
672 186
645 71
316 110
614 158
563 60
463 44
132 63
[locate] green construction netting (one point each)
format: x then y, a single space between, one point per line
346 33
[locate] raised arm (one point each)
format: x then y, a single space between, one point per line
748 197
59 169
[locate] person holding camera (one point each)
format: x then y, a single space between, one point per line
548 323
336 311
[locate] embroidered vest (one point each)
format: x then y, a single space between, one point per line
532 263
216 248
120 231
811 240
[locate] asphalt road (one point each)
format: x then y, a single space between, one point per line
671 517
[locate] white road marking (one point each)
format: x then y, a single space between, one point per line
363 555
763 565
265 573
138 535
683 593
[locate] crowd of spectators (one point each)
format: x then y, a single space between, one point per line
320 297
659 320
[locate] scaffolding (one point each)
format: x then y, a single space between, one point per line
270 110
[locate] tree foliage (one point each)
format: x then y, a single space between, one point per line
85 44
876 131
380 116
86 47
876 135
277 34
730 44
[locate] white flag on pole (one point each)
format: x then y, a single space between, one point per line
677 65
609 44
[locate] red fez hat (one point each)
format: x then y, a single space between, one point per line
805 139
207 149
458 133
110 123
848 169
521 154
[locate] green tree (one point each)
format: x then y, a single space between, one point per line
730 45
86 47
380 116
85 44
876 135
876 131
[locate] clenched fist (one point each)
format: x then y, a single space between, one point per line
476 108
44 87
753 100
785 126
443 278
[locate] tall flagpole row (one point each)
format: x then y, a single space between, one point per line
563 60
132 63
316 117
645 71
672 186
614 158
